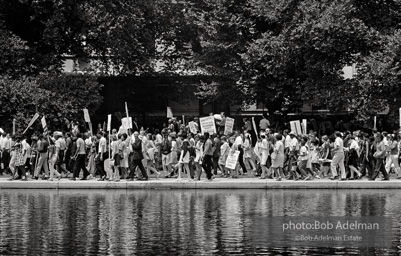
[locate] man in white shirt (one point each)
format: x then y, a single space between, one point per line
338 158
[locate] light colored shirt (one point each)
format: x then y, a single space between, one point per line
264 124
102 145
60 143
339 145
287 141
238 141
293 144
81 146
303 154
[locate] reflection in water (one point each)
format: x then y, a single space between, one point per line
173 222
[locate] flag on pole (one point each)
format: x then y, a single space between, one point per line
109 122
34 118
43 120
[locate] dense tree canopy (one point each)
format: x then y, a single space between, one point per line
285 53
280 53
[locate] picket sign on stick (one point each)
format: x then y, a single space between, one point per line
34 118
88 119
169 113
229 125
296 127
304 126
128 119
207 124
374 123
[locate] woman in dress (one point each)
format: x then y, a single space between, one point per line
183 163
278 158
393 148
52 160
247 146
224 150
264 155
151 151
124 151
233 147
198 155
353 158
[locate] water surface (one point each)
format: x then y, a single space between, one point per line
175 222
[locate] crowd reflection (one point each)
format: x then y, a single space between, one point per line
170 222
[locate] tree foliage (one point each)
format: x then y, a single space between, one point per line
285 53
60 98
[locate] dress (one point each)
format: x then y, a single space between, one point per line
199 151
247 149
264 151
125 149
279 161
185 158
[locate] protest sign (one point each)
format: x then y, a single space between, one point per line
86 116
126 123
207 124
229 126
296 127
232 160
304 126
169 113
109 122
192 127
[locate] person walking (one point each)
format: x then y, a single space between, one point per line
80 156
43 157
136 159
338 158
207 156
380 156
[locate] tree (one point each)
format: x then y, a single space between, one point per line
60 98
284 53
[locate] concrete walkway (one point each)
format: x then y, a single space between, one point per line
218 183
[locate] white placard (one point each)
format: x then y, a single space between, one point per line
207 124
304 126
169 113
374 123
296 127
109 122
126 122
86 116
229 126
232 160
192 127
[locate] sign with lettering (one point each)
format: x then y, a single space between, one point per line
207 124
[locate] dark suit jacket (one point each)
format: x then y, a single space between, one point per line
137 150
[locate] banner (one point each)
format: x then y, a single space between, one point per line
207 124
229 126
232 160
109 122
169 113
126 123
296 127
86 115
44 124
36 116
192 127
304 126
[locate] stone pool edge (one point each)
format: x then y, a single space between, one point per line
215 184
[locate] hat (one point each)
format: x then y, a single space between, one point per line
292 133
34 138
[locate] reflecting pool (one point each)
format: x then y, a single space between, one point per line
175 222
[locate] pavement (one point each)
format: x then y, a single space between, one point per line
217 183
